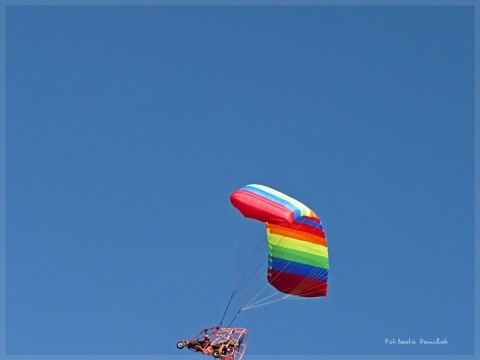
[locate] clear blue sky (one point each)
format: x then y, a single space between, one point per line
129 127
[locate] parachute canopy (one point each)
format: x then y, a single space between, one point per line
298 252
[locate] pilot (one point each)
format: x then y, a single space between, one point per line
202 343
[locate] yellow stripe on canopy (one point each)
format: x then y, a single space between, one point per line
299 245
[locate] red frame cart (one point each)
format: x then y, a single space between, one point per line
221 343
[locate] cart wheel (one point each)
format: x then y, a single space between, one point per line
180 345
216 354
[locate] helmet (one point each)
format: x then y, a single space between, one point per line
207 336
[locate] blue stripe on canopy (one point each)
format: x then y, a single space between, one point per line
295 268
275 198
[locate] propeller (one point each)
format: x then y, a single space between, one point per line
241 340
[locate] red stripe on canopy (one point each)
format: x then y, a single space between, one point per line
257 207
297 285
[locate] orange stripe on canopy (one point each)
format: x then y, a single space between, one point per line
300 235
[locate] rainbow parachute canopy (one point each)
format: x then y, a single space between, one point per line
298 251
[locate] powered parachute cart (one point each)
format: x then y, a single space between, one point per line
219 342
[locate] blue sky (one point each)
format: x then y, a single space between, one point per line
129 127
